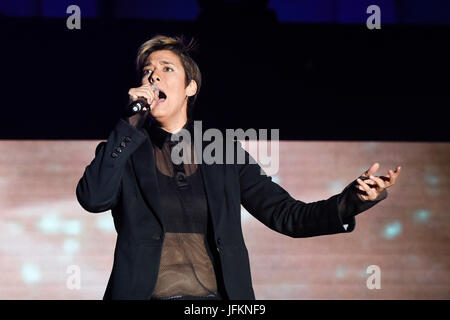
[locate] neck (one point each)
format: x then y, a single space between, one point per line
174 125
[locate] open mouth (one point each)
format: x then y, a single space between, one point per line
161 95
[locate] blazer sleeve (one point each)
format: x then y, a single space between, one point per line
273 206
349 203
98 188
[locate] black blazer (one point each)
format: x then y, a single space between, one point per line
122 178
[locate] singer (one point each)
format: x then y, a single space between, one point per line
178 225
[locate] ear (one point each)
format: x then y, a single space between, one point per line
191 89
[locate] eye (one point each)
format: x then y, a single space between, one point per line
146 72
168 69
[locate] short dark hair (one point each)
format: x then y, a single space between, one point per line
178 46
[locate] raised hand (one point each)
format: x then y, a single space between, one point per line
371 186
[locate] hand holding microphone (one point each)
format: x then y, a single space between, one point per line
142 100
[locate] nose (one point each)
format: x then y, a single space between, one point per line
153 77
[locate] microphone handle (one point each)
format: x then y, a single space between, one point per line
139 104
136 107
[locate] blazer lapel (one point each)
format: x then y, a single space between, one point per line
145 170
213 180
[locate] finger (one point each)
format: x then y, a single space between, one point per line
145 96
150 91
155 93
379 182
147 85
389 176
361 188
371 170
364 186
369 182
151 88
144 93
155 89
363 195
137 91
147 88
396 174
132 94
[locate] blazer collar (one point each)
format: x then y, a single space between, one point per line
159 136
143 161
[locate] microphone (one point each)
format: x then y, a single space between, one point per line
139 104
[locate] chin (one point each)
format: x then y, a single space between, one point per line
159 110
160 114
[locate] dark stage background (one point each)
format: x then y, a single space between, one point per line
326 77
342 96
